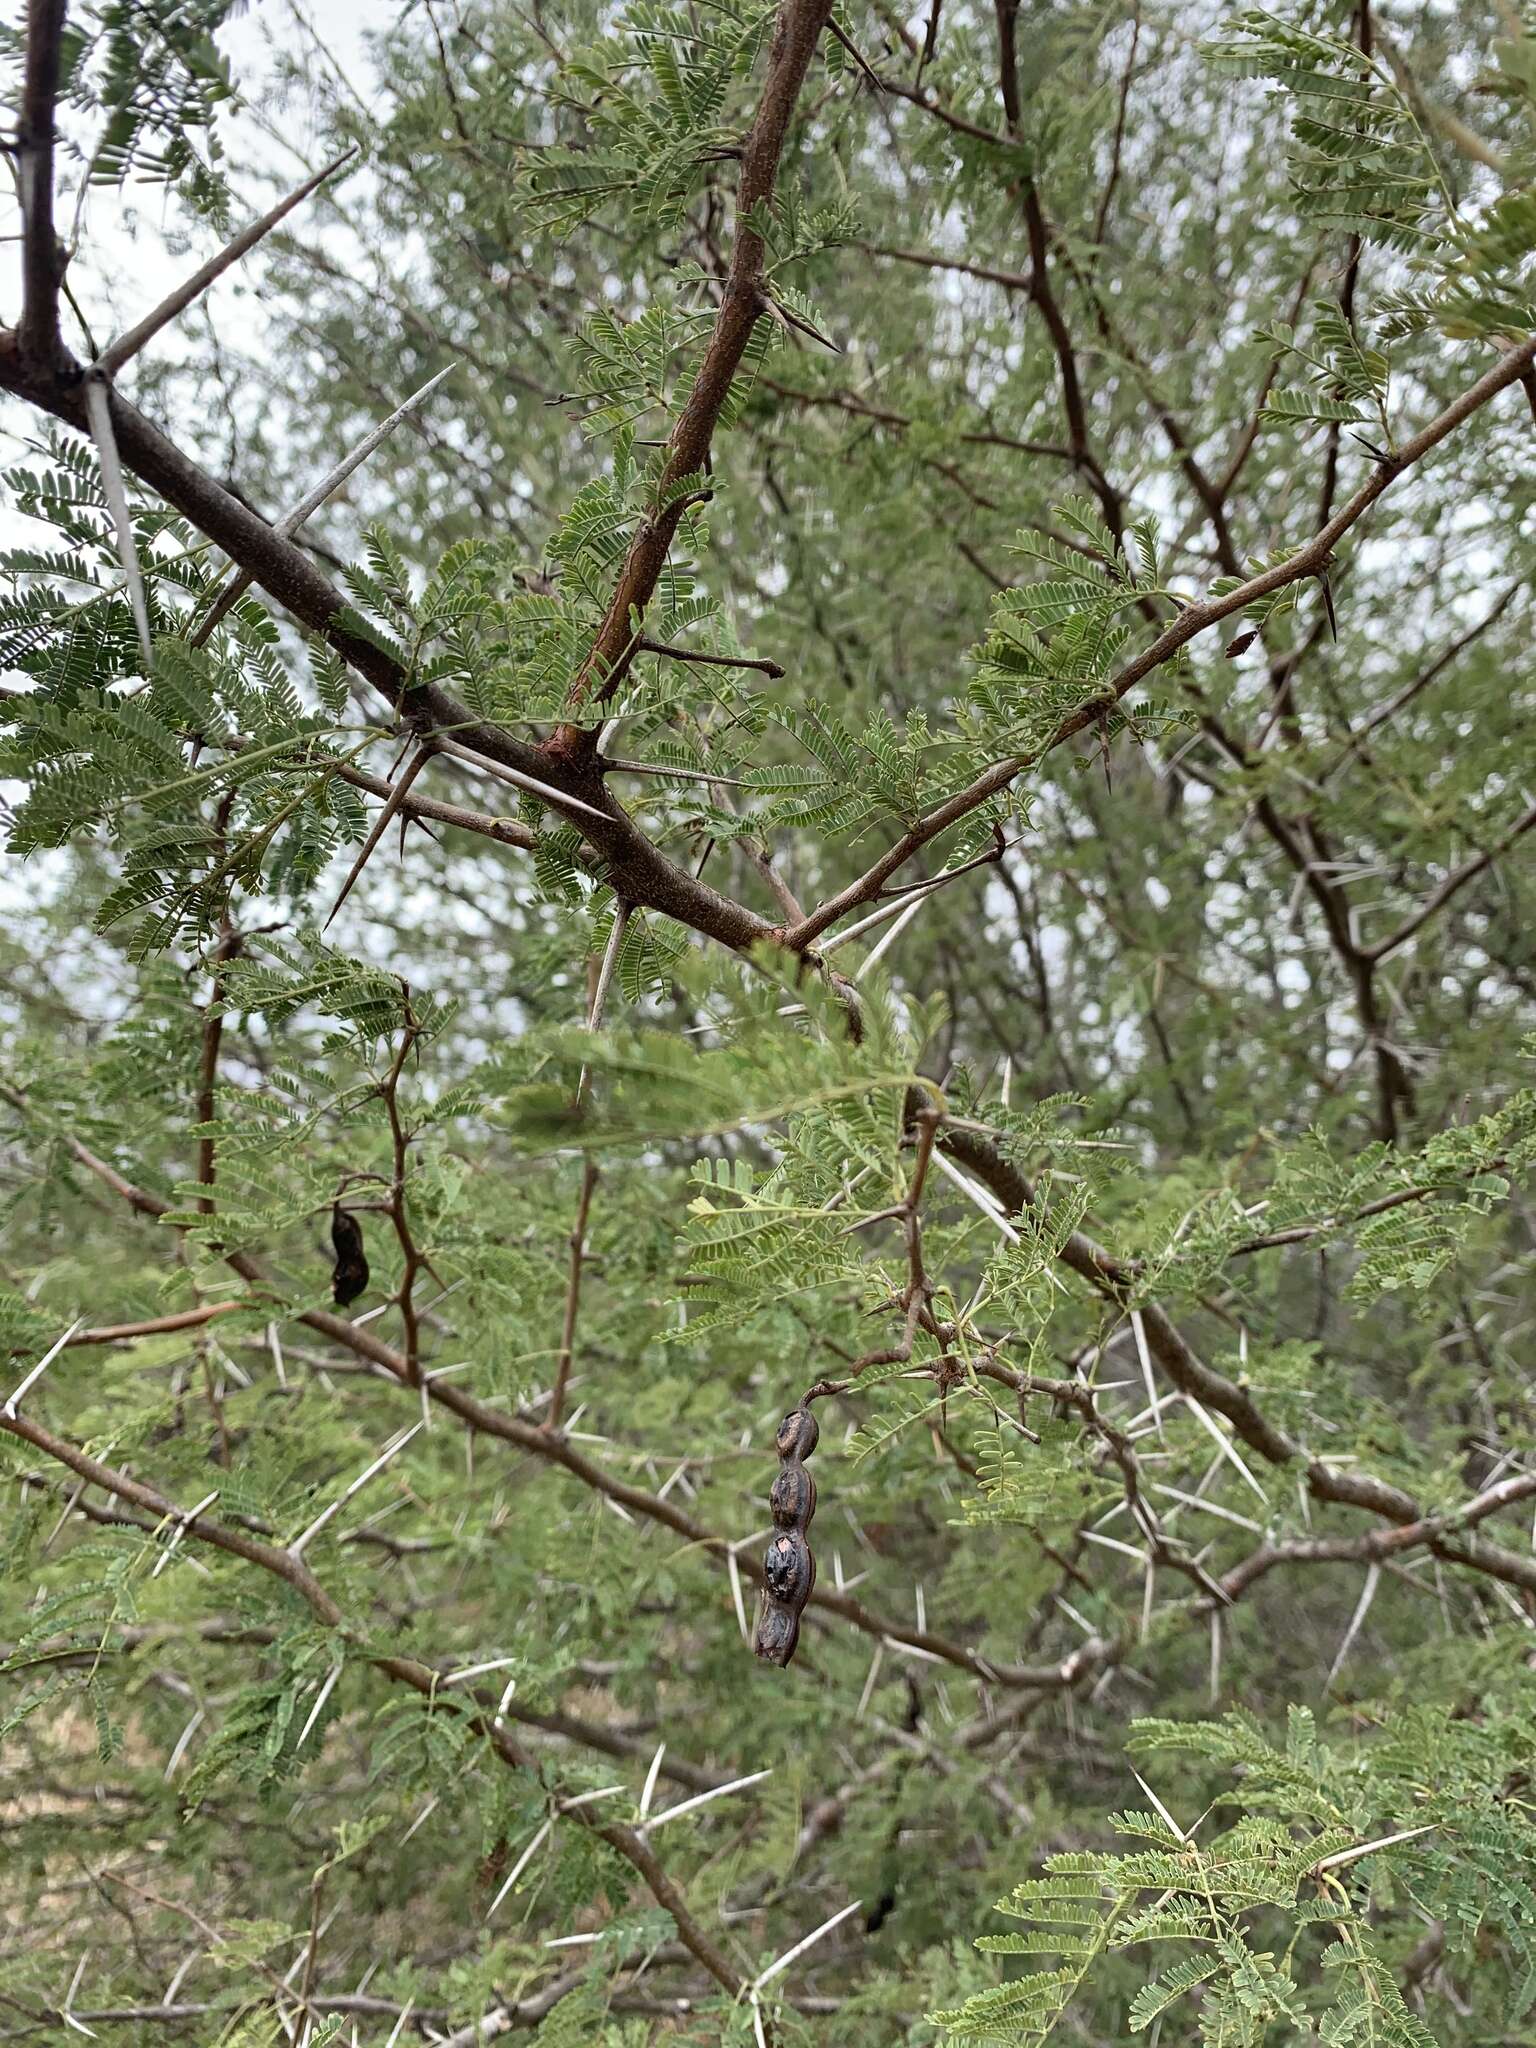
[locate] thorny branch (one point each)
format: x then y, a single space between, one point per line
571 769
1198 1382
641 873
399 1201
421 1678
799 25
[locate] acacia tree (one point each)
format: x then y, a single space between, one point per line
938 604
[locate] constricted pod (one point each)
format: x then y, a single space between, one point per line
789 1569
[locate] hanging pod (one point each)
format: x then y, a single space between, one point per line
349 1276
789 1569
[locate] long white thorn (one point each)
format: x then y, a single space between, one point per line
479 1670
1362 1609
703 1799
650 1780
98 410
41 1367
783 1962
1139 1332
392 1450
974 1193
734 1571
310 503
1342 1858
320 1699
1227 1448
521 1865
1167 1816
888 939
128 345
546 792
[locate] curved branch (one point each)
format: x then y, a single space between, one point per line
1116 1280
1192 620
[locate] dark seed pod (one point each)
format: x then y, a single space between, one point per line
350 1274
792 1499
789 1570
778 1631
798 1434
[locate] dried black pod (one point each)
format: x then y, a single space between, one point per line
798 1434
350 1274
789 1570
792 1501
778 1631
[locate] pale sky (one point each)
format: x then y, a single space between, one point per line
124 265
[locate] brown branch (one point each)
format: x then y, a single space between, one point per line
1117 1281
558 1450
1194 619
916 1295
1300 1233
859 408
505 831
127 1642
421 1678
164 1513
578 1253
798 28
1042 294
1010 280
155 1326
898 89
1076 1394
1045 302
772 669
42 259
290 578
1437 1532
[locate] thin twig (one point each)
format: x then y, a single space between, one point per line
121 351
1195 618
392 803
589 1176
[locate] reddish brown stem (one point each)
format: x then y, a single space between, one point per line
799 26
